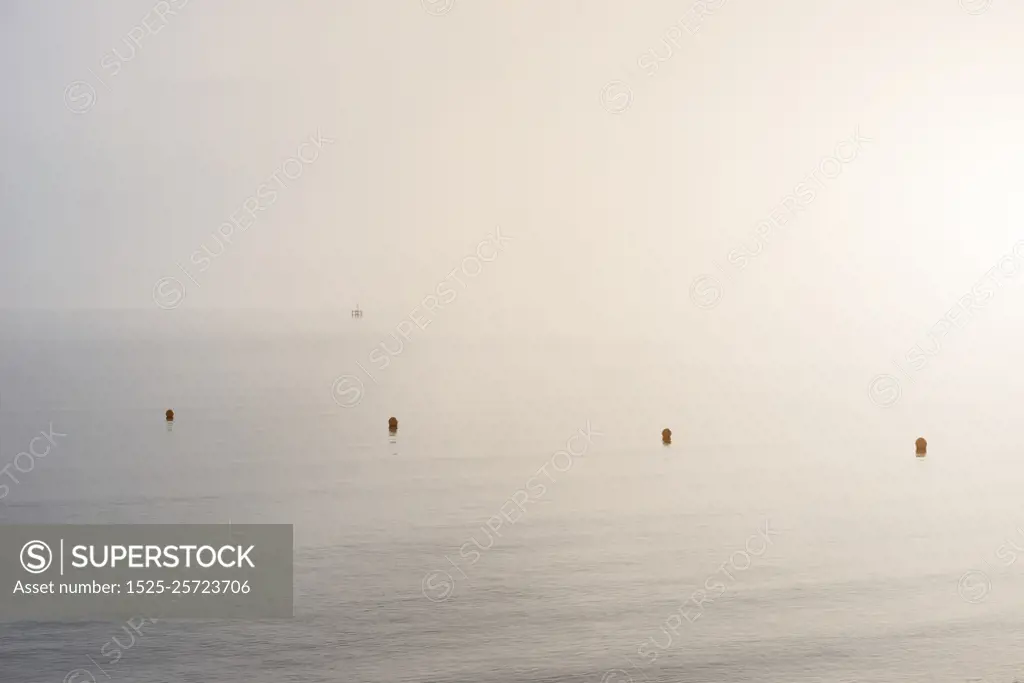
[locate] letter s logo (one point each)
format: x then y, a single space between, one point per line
36 557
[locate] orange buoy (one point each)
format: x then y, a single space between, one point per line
170 416
393 424
921 446
666 436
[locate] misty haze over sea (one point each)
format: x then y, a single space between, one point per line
860 576
536 234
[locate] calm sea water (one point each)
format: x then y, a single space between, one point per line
862 577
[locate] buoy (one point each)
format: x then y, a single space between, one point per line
922 446
393 424
170 416
666 436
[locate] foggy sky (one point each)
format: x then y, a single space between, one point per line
447 125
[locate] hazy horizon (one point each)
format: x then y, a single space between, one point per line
612 215
788 232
